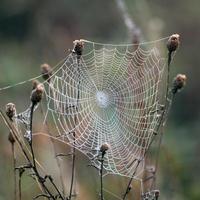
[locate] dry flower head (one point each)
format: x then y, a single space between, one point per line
37 93
10 110
46 71
104 147
179 82
78 47
173 42
35 83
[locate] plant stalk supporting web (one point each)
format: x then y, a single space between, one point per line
101 174
32 164
74 133
161 125
14 171
168 103
34 167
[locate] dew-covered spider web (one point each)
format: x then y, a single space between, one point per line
110 94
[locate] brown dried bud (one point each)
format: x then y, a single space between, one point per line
35 83
104 147
179 82
46 71
11 138
157 194
173 42
78 47
37 93
10 110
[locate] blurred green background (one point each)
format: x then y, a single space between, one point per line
33 32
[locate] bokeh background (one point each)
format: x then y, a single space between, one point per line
33 32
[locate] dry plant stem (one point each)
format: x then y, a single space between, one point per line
56 157
130 181
101 175
74 136
14 166
20 189
34 167
164 114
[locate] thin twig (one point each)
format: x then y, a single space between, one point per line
101 174
20 189
128 188
74 134
13 131
14 171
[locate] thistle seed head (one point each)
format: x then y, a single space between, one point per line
104 147
35 83
157 194
173 42
10 110
46 72
78 47
179 82
37 93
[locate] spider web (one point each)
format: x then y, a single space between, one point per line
110 95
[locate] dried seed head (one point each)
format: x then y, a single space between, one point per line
104 147
179 82
46 71
11 138
173 42
37 93
157 193
35 83
10 110
78 47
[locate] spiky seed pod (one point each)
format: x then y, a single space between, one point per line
35 83
37 93
10 110
46 72
78 47
173 42
11 138
104 147
179 82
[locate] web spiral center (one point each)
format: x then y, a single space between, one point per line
102 99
